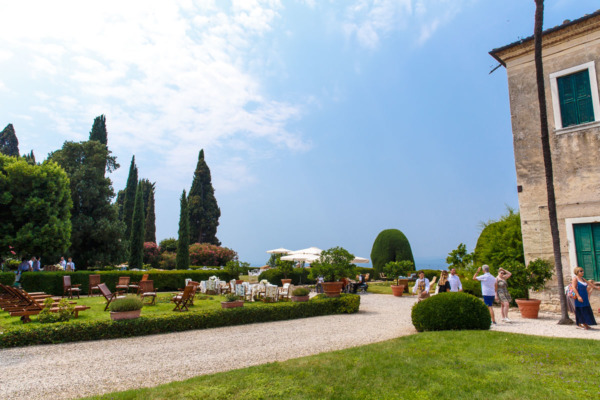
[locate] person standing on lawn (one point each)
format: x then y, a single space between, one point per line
488 288
444 283
502 292
421 288
455 285
584 316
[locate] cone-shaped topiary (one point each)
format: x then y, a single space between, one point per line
390 245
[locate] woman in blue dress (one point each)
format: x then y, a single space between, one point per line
584 316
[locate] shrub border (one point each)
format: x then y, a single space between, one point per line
99 330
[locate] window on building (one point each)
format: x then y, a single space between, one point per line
587 245
575 96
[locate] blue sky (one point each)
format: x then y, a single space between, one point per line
323 123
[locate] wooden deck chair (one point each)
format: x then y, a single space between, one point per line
30 306
136 285
69 288
94 282
108 295
123 284
147 290
182 300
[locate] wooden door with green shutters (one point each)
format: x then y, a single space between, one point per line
587 244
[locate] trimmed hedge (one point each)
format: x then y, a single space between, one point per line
177 322
7 278
299 276
164 281
451 311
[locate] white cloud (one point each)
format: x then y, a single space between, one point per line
172 77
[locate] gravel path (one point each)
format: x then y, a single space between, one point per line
75 370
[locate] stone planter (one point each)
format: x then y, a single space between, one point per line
332 289
284 281
232 304
397 290
300 299
529 308
120 315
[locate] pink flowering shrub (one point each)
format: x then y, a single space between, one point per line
210 255
151 254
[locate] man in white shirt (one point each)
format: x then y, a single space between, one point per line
63 263
488 288
455 285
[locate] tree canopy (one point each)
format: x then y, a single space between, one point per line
183 243
35 205
390 245
500 241
203 208
9 144
129 199
136 241
98 131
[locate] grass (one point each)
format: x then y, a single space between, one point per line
440 365
97 303
384 288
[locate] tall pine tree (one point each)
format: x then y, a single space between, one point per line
9 144
182 260
136 241
129 200
98 131
150 231
203 208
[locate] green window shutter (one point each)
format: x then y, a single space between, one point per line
584 244
596 239
575 98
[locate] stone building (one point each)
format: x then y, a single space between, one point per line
571 56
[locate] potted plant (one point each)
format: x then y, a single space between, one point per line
285 267
129 307
395 269
524 278
300 294
333 264
232 301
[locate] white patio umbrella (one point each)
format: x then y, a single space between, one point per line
359 260
280 250
300 257
310 250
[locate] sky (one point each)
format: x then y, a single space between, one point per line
323 122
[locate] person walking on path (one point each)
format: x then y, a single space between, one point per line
502 291
584 316
488 288
455 285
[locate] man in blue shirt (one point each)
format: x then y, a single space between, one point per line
36 264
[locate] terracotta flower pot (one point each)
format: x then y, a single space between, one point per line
397 290
284 281
232 304
529 308
332 289
116 316
300 299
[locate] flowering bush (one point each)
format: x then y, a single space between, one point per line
167 260
210 255
151 254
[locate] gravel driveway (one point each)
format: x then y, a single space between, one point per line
75 370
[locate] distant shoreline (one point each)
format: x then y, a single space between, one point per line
438 263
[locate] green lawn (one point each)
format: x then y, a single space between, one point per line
97 303
384 288
434 365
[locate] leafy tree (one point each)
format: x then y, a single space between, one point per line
9 144
210 255
390 245
333 264
97 232
30 158
236 268
129 199
547 155
460 259
183 243
285 267
136 241
395 269
150 223
98 131
500 241
168 245
35 205
203 208
119 203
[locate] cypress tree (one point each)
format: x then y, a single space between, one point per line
98 131
136 241
130 193
9 144
150 231
30 158
203 208
183 243
147 187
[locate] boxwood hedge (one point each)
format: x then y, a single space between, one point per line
52 282
149 325
450 311
7 278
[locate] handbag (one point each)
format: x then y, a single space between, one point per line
571 293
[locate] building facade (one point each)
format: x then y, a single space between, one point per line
571 59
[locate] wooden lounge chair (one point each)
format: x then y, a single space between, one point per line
123 284
94 282
182 300
30 306
69 288
136 285
108 295
147 290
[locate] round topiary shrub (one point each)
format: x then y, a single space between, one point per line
390 245
451 311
